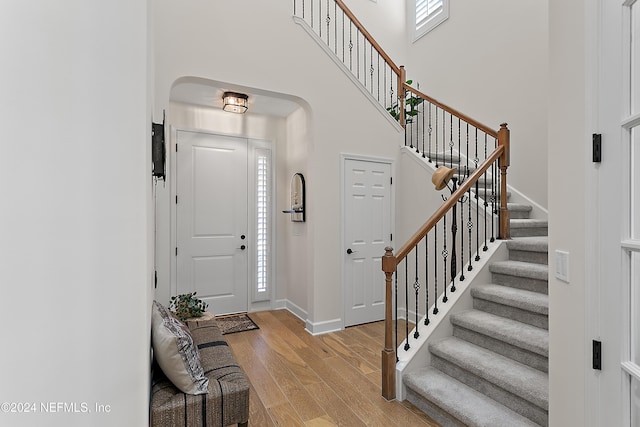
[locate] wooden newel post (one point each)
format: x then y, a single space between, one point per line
389 353
402 77
504 140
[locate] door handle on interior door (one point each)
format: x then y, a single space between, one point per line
349 251
243 247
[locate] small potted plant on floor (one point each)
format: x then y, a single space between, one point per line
186 306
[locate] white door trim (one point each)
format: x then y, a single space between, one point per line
358 157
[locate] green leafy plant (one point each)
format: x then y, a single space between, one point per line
187 305
411 103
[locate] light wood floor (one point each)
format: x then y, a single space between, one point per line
332 379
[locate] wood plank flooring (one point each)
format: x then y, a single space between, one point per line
327 380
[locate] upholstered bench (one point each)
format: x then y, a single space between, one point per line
226 400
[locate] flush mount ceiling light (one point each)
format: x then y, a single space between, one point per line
235 102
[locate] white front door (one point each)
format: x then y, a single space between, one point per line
367 231
618 293
212 220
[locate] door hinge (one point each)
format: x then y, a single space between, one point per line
596 140
391 180
391 237
176 200
155 279
176 147
597 355
176 251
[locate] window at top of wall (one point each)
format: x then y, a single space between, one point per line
428 15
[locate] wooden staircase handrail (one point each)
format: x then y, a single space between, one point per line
486 129
368 36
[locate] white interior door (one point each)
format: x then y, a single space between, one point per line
211 219
367 231
618 295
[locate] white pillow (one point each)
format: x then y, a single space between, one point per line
175 351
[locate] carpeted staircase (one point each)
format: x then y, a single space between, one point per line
493 370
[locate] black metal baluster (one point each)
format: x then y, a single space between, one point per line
416 288
335 28
406 303
454 231
435 268
494 193
328 20
426 279
436 121
486 203
342 43
451 144
358 53
430 131
424 154
464 175
350 46
469 222
476 160
445 255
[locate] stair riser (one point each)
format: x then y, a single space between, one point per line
519 214
528 231
440 416
527 256
524 316
534 285
521 355
508 399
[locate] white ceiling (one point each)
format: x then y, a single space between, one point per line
209 94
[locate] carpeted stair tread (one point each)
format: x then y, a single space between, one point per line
525 300
506 330
462 402
528 383
529 244
521 269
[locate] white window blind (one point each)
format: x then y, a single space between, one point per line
262 226
428 14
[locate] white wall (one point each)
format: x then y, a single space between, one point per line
568 136
75 185
201 38
489 60
385 21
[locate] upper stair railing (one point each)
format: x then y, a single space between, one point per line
472 161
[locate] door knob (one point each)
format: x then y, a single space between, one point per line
349 251
243 247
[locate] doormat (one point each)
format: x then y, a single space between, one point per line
235 323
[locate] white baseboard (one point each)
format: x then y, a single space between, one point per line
325 327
